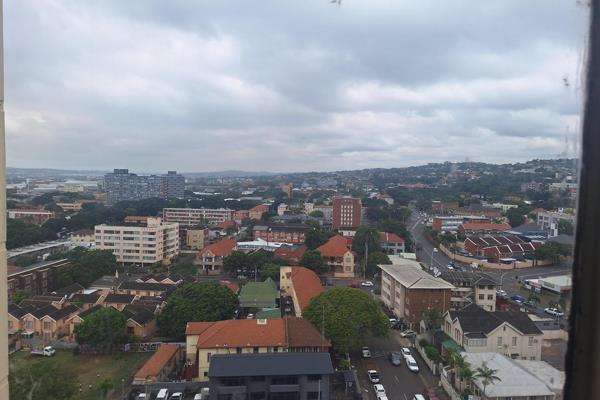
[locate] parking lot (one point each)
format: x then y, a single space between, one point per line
399 382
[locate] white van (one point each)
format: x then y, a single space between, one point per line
419 397
163 394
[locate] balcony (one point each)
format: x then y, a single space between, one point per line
284 388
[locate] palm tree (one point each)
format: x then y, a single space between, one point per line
487 376
467 375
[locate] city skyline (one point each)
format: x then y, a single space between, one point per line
319 86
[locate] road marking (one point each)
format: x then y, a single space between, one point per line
397 380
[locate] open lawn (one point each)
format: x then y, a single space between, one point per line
89 370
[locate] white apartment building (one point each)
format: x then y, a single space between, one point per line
197 216
548 220
148 243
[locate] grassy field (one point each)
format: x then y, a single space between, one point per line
90 369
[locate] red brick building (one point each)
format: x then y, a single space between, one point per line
499 246
288 233
346 212
291 254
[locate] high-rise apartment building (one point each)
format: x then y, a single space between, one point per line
123 185
346 212
140 243
197 216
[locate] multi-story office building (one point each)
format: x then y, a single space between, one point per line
140 243
197 216
36 279
346 212
123 185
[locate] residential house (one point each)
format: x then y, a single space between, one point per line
301 284
255 295
288 334
337 254
119 301
498 247
145 288
35 279
471 287
507 332
86 301
77 319
407 291
210 259
391 243
482 228
303 376
140 321
162 366
83 236
257 211
288 233
292 254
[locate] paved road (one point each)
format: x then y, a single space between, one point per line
399 382
507 279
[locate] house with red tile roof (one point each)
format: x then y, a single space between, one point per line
241 336
166 361
235 288
301 284
210 259
290 253
391 243
339 257
226 224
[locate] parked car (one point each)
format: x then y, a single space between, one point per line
366 284
405 352
379 390
435 250
555 312
411 363
393 322
501 293
176 396
250 316
47 351
366 353
203 394
396 358
418 397
529 303
373 376
163 394
518 299
408 333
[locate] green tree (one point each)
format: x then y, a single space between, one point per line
20 295
487 376
234 261
433 354
553 251
432 318
86 265
376 258
41 379
565 227
185 268
315 237
25 261
207 301
270 271
365 234
348 317
317 214
103 329
312 259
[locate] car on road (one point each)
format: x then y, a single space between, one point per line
379 390
529 303
501 293
393 322
250 316
518 299
411 363
418 397
366 284
373 376
176 396
450 267
555 312
435 250
396 358
405 352
366 353
408 333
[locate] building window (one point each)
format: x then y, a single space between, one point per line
500 341
481 297
514 341
207 357
238 350
530 341
255 350
10 324
313 378
312 395
490 297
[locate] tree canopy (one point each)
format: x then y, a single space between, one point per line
350 317
366 234
313 260
270 271
207 301
86 266
103 329
375 259
41 379
315 237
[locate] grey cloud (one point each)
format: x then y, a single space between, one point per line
286 85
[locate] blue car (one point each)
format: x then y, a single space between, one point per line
518 299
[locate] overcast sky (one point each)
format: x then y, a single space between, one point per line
293 85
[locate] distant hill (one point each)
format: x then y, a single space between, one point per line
50 172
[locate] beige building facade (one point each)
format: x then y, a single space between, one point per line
149 243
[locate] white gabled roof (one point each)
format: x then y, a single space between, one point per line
410 275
